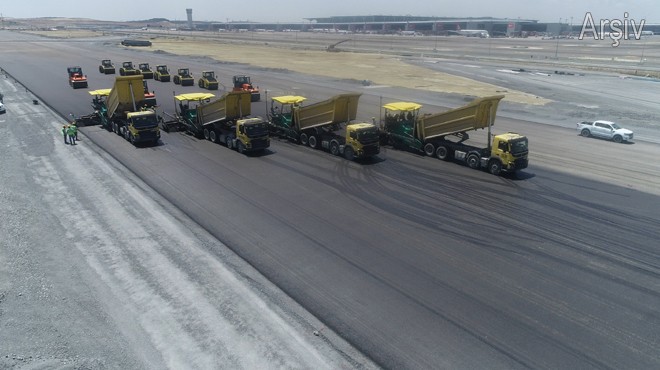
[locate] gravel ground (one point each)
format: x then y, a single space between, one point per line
97 271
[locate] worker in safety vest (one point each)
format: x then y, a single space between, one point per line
65 133
71 131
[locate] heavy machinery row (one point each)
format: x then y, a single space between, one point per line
183 76
128 109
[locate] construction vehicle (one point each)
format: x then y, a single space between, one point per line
222 120
208 81
127 69
107 67
404 128
149 96
183 77
162 73
325 125
76 77
333 47
121 110
145 70
243 83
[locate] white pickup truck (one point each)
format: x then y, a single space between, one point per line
606 130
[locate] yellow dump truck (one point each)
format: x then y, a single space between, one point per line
122 110
325 125
404 128
223 120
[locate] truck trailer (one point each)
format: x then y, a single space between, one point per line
223 120
121 110
443 135
325 125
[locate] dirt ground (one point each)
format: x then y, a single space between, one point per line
66 34
378 69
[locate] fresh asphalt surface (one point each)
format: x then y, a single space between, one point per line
417 262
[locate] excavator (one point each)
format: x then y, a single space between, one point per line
333 47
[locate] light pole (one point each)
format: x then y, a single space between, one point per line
558 35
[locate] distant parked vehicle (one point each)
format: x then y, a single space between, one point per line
606 130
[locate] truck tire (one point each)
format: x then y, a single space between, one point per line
617 138
132 139
429 149
127 134
334 148
473 161
312 141
206 134
304 140
213 136
348 153
495 167
240 147
228 142
442 152
585 132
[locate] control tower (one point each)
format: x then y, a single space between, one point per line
190 22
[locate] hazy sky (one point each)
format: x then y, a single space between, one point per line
297 10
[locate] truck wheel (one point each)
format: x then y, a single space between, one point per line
228 142
132 139
348 153
303 139
495 167
442 153
212 136
473 161
206 134
240 147
312 141
334 148
585 132
127 134
617 138
429 149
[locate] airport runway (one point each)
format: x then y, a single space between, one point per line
418 263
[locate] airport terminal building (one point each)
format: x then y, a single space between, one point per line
414 25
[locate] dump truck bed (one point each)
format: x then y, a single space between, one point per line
338 109
230 106
475 115
126 95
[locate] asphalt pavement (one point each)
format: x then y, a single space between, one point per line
100 272
418 263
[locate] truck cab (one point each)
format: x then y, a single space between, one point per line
360 140
251 135
142 127
510 150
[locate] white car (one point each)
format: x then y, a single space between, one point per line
2 108
606 130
